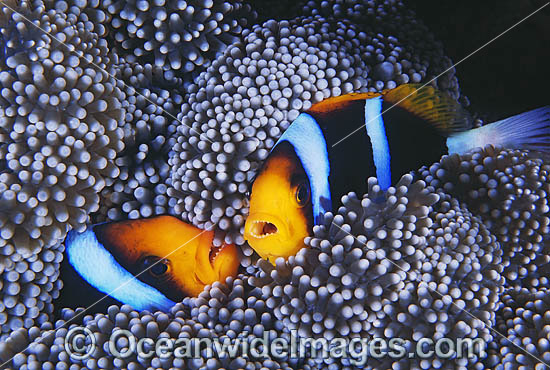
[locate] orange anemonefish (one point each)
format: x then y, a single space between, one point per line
308 170
151 263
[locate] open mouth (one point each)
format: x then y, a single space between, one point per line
262 229
215 251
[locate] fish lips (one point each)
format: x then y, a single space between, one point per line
214 263
262 227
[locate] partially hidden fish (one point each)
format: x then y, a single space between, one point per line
149 264
314 163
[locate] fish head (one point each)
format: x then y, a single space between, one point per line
280 214
176 258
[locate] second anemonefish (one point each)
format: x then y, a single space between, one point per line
148 264
309 170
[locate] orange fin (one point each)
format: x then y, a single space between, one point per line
340 102
436 107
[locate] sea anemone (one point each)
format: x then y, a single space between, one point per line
29 287
222 312
524 324
150 122
59 136
88 12
182 37
59 130
508 190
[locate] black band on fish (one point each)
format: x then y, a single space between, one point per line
353 158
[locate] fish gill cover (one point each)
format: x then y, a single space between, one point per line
80 145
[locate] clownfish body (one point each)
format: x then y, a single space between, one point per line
149 264
314 163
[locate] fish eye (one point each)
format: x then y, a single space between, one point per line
155 266
302 193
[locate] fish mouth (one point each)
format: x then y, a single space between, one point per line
215 251
262 229
267 234
271 237
261 226
214 263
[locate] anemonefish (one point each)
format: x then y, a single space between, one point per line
310 167
149 264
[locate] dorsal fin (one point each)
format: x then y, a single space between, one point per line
434 106
339 102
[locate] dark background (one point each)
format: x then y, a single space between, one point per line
509 76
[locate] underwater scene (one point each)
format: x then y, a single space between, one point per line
274 184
